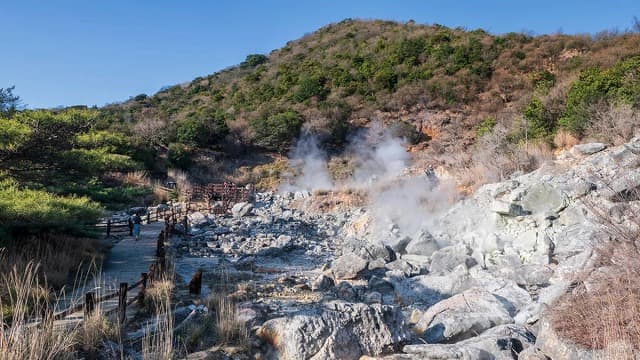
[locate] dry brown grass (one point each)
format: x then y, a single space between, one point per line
157 343
24 296
229 329
613 123
607 314
564 140
603 312
58 256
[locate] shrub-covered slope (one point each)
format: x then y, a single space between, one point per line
345 74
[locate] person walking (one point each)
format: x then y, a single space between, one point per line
137 221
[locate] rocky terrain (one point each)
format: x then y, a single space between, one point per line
469 280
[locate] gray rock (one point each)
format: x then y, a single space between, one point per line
339 330
633 145
462 316
431 289
550 343
348 266
376 264
344 291
379 285
241 209
502 342
543 197
625 187
508 208
403 266
369 249
198 219
448 258
301 195
322 283
422 244
588 149
373 297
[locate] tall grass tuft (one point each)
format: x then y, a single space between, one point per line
24 297
157 343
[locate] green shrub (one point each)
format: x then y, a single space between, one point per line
109 140
542 81
539 123
92 161
310 87
112 197
276 132
26 211
192 131
12 134
180 155
486 126
253 60
620 83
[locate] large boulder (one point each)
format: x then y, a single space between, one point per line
502 342
462 316
633 145
348 266
339 330
443 261
370 249
428 290
198 219
543 197
588 149
241 209
422 244
508 208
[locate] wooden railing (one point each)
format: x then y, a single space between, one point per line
91 301
198 198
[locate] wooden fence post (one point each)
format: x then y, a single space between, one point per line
108 227
143 288
185 222
130 227
152 273
89 302
195 285
122 302
148 216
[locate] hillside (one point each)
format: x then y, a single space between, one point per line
446 84
477 106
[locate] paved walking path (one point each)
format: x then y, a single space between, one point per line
126 261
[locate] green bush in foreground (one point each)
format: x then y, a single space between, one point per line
26 211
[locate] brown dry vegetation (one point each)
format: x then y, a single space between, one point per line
59 256
603 311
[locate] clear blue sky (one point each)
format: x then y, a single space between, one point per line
92 52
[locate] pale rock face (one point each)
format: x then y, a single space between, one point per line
463 316
338 330
477 279
241 209
348 266
588 149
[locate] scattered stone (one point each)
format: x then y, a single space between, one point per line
422 244
322 283
508 208
241 209
348 266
